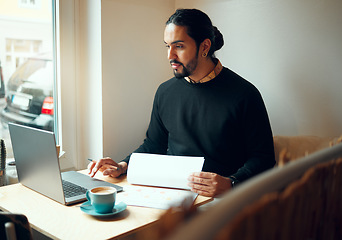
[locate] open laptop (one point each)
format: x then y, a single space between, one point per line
38 167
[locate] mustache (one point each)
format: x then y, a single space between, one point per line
176 62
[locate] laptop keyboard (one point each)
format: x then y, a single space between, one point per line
71 189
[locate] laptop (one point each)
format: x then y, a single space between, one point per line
38 167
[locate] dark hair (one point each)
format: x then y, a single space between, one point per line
199 27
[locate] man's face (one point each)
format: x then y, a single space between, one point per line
182 50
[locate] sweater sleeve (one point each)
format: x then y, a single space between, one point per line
258 137
156 139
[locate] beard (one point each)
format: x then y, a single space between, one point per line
187 70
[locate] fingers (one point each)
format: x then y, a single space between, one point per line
207 192
112 171
204 190
91 166
95 166
208 184
200 180
203 178
208 175
202 183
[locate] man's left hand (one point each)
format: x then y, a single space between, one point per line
209 184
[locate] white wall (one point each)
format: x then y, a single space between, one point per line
134 63
89 92
291 50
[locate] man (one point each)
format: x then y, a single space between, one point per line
205 110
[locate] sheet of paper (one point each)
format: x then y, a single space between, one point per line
162 170
155 197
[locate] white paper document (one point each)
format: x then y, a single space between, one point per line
156 197
169 175
162 170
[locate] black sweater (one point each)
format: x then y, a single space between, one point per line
223 120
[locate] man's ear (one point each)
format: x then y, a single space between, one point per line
205 46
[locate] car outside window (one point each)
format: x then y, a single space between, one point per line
26 66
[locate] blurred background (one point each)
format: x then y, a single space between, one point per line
26 66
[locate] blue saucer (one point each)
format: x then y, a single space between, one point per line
88 209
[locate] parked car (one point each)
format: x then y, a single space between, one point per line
29 94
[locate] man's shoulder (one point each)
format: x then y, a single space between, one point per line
238 86
230 74
172 82
236 79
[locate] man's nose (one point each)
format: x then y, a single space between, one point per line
171 54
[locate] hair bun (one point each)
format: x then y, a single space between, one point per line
218 39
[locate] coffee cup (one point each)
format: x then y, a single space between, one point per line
102 198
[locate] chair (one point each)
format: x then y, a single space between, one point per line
308 208
289 148
301 200
14 226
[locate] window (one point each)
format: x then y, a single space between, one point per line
76 98
26 65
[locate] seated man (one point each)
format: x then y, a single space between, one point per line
206 110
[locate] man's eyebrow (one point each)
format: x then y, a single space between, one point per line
178 41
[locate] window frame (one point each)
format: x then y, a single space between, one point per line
79 96
65 55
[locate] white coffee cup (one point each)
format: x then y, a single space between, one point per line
102 198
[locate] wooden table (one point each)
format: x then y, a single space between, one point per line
69 222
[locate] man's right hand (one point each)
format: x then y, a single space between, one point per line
108 167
